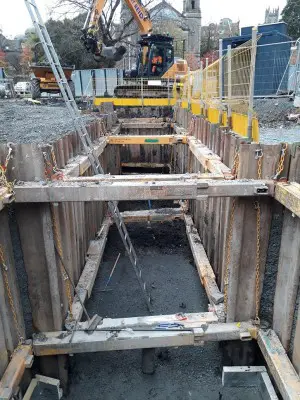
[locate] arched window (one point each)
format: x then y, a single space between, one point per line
193 4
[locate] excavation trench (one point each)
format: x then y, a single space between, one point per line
181 373
166 258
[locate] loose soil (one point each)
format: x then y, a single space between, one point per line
181 373
21 122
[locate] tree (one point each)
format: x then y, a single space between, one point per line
65 35
25 59
110 31
291 15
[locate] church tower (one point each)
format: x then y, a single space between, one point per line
192 16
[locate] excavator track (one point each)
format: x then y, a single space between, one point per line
145 91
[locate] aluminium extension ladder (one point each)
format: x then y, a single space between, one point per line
84 136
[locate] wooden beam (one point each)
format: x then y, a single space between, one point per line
32 192
211 162
155 215
189 320
288 194
205 271
136 124
281 368
144 165
14 372
50 343
78 165
147 139
89 273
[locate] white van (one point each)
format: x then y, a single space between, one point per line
22 88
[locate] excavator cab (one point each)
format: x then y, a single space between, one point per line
156 56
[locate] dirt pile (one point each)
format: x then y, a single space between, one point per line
21 122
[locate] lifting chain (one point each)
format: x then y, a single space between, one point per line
258 156
51 169
59 249
236 163
4 268
3 168
234 170
280 166
257 263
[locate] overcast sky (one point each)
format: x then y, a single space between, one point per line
14 18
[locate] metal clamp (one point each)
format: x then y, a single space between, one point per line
258 154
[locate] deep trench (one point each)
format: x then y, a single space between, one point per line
168 266
181 373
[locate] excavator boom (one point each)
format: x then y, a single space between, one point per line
90 29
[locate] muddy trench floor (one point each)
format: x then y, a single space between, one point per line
181 373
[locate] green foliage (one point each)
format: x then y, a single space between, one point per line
291 15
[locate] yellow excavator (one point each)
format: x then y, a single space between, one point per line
155 62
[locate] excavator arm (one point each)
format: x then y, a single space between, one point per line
90 30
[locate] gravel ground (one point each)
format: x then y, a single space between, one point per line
181 373
273 124
21 122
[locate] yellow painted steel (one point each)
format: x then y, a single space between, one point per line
239 121
135 102
147 139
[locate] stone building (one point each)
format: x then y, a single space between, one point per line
271 16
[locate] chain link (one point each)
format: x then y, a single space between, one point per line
280 166
57 239
235 169
9 295
51 169
236 163
257 263
259 157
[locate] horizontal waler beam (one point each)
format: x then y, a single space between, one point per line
51 343
31 192
147 139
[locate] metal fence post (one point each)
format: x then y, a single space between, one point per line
220 80
206 88
201 86
142 92
297 81
229 110
252 81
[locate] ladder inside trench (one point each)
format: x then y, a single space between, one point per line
84 136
